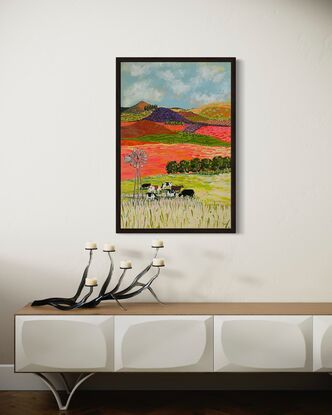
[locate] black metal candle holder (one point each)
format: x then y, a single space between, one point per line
135 288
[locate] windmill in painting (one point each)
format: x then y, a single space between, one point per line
175 145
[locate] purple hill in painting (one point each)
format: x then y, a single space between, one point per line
164 115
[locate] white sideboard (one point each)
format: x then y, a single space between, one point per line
322 343
263 343
64 343
163 343
196 337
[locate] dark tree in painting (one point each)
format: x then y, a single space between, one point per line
172 167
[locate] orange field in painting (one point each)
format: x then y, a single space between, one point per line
221 133
160 154
144 127
140 128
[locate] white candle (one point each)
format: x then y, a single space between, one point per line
109 248
158 262
157 244
91 282
125 264
91 245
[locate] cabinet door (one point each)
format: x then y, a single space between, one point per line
163 343
322 343
63 343
263 343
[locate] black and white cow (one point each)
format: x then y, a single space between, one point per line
177 188
145 186
187 192
153 188
170 193
151 196
166 185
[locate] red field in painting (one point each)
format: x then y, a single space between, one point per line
134 142
144 127
174 127
125 123
170 127
221 133
160 154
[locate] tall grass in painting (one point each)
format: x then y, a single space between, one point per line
178 213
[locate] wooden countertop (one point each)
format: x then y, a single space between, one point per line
189 309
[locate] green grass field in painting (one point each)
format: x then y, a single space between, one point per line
181 137
130 116
215 188
210 208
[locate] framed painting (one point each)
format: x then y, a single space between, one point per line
176 145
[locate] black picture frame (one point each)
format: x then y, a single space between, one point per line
232 229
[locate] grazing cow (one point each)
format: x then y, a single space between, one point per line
152 188
166 185
151 196
170 193
176 188
187 192
145 186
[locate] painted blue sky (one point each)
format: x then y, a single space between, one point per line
175 84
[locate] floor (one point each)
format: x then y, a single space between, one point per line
171 403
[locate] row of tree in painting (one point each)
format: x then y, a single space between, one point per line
196 165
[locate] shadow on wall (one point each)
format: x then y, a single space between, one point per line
249 280
240 166
132 253
214 281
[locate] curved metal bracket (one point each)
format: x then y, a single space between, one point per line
64 406
65 382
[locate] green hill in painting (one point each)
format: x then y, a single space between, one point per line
183 138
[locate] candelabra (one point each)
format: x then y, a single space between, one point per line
117 293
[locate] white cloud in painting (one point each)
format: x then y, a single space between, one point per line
212 73
167 75
199 98
182 84
176 85
171 75
215 78
179 87
136 69
141 91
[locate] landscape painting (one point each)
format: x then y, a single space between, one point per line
176 145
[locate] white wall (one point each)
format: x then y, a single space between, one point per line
57 130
